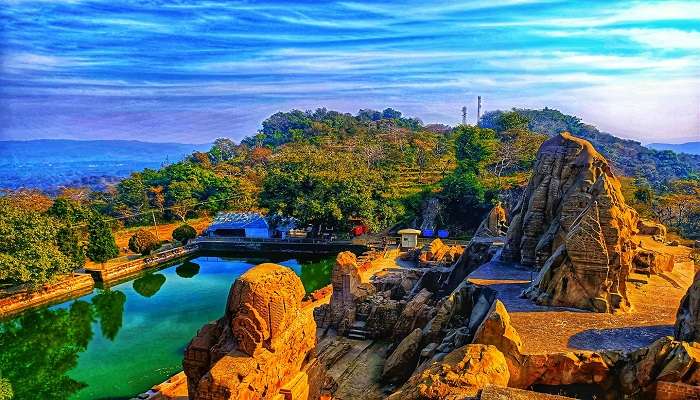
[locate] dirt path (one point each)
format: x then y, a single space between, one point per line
549 329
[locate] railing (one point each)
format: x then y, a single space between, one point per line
202 239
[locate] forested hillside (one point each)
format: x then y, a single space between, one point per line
331 170
628 157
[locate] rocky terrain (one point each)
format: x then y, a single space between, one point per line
442 323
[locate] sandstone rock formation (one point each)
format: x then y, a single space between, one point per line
402 361
687 326
262 347
348 290
495 223
651 228
616 374
437 251
573 224
461 374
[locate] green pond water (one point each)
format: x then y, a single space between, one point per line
118 342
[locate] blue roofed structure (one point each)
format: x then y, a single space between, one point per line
248 225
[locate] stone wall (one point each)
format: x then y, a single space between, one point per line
66 288
677 391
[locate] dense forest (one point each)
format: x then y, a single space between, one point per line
330 169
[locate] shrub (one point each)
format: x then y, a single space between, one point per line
143 242
184 233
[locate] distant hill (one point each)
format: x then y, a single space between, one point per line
48 164
628 157
689 148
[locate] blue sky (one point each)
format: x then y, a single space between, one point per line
191 71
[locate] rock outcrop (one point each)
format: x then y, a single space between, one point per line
461 374
572 223
262 347
402 361
687 326
438 252
495 223
348 290
651 228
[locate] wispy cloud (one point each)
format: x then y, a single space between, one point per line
183 68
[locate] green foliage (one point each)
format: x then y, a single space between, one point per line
143 242
109 307
511 120
474 147
465 196
184 233
6 392
40 347
101 245
626 156
307 184
30 252
149 284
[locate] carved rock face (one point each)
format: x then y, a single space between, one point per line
264 345
262 303
572 223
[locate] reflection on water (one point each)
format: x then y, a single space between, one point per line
109 307
188 269
149 284
144 324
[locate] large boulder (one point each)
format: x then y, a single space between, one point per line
437 251
573 224
402 361
687 326
263 345
651 228
463 373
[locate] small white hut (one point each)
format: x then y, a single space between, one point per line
409 238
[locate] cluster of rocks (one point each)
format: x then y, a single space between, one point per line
438 252
494 356
573 225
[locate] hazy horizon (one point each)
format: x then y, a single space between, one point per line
189 72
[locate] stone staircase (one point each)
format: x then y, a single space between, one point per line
357 330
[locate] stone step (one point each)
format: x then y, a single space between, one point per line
638 278
356 337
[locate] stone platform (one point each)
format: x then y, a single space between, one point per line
547 329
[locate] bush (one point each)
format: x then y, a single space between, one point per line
184 233
143 242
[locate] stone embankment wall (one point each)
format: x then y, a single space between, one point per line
70 287
119 272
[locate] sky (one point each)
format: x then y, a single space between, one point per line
192 71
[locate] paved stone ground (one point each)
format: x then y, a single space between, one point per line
550 329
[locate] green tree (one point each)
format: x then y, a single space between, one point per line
101 245
29 249
184 233
475 147
143 242
511 120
